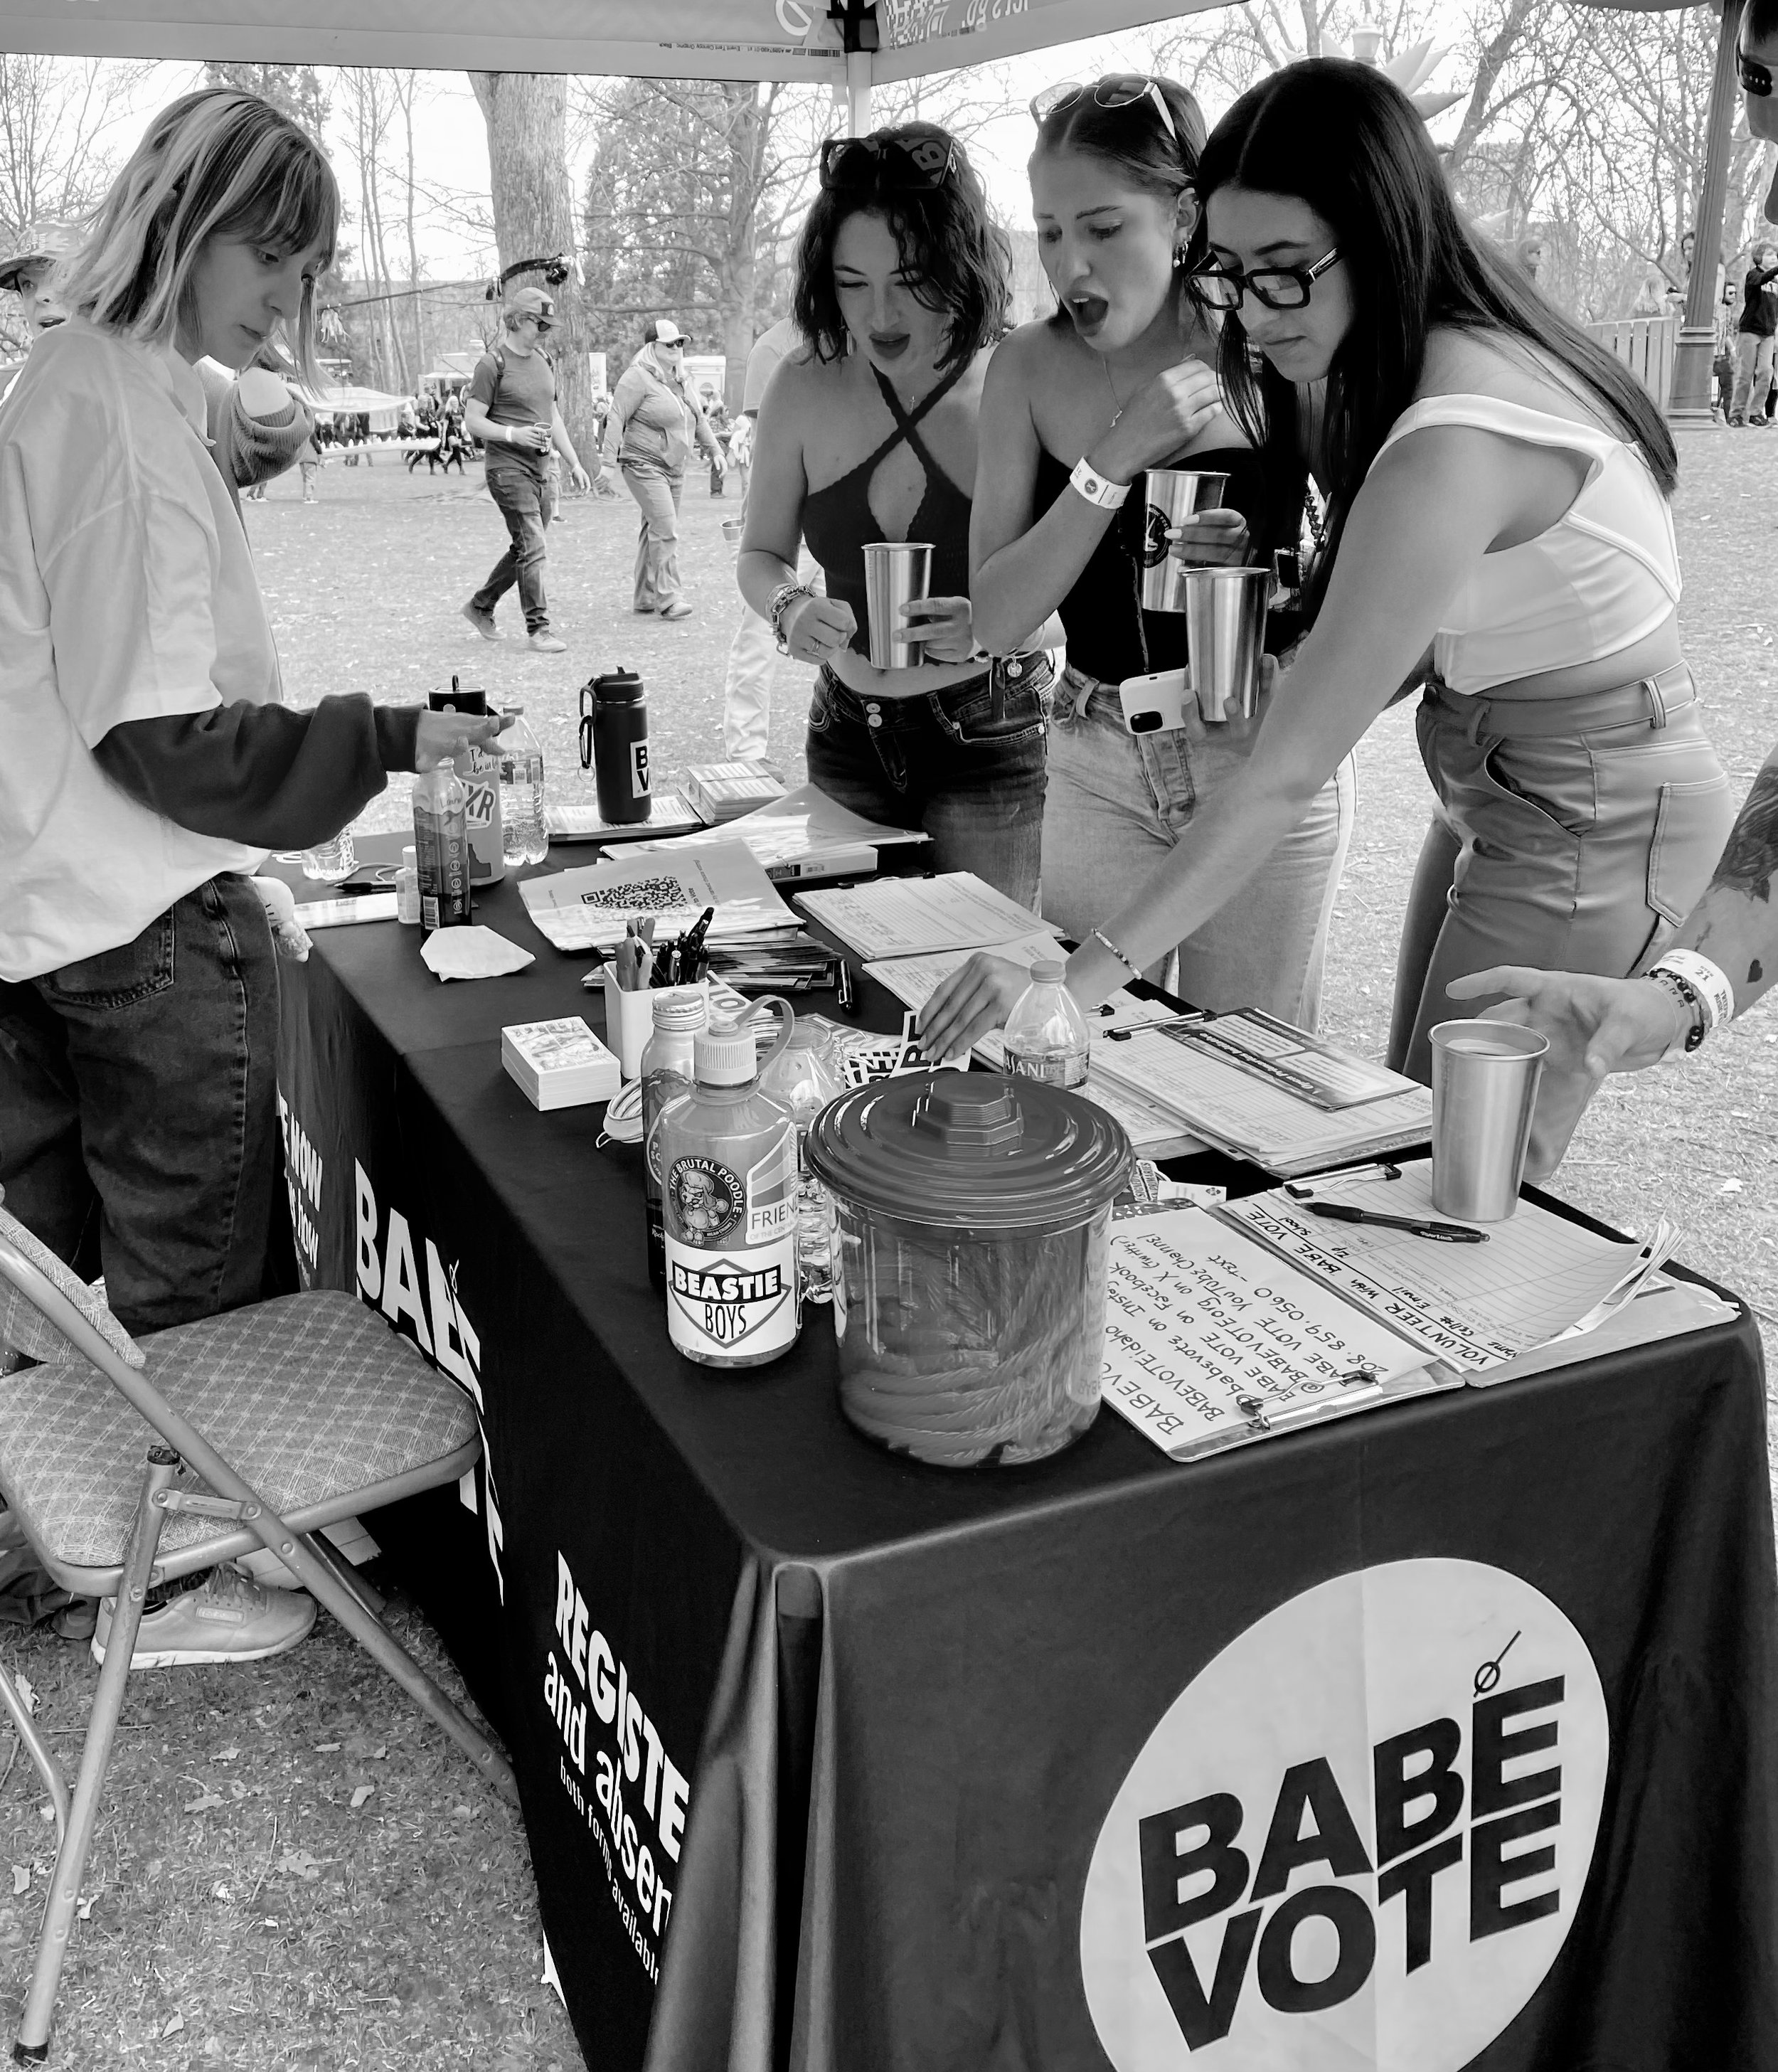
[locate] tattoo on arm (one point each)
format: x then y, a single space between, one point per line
1750 860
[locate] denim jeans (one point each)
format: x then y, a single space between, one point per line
138 1109
1579 853
527 505
965 764
1118 803
657 495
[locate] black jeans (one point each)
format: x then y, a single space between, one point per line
527 504
138 1110
965 765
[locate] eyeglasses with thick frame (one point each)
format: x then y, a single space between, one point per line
890 165
1117 89
1755 78
1278 287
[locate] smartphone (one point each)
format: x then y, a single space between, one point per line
1155 704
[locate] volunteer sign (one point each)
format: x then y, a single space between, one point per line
1359 1836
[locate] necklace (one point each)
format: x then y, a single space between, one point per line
1314 510
1117 407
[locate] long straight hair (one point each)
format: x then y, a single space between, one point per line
1344 139
215 163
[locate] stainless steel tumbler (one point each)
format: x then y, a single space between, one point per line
1484 1092
1175 495
1226 638
896 572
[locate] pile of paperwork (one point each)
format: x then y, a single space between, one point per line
907 917
591 908
1230 1324
581 821
805 835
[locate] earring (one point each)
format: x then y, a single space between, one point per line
1181 253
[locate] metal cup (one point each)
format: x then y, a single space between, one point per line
1174 495
1484 1092
1226 638
896 572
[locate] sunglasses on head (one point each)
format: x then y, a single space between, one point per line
1755 78
890 165
1117 89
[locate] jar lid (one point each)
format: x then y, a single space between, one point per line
409 857
621 685
970 1151
680 1008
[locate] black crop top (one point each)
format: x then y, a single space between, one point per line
839 524
1107 629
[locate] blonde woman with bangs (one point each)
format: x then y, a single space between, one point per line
147 761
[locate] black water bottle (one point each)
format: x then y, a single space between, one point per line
620 746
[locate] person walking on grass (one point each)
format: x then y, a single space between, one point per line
654 420
511 407
1755 333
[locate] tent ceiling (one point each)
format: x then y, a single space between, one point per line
778 39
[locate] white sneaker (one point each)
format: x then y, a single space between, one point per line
226 1618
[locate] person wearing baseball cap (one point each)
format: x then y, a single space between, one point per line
25 272
511 407
655 419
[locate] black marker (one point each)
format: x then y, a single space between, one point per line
1444 1233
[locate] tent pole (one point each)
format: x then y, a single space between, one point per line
858 71
1689 400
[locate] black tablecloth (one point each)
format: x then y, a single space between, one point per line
1293 1755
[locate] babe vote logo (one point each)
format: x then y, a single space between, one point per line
1358 1836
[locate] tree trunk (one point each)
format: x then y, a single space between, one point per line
527 117
406 87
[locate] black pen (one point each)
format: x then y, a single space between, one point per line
843 988
1446 1233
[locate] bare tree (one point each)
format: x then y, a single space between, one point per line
369 105
406 87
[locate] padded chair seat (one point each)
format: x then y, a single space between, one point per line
309 1397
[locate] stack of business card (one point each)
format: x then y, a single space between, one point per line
559 1064
723 791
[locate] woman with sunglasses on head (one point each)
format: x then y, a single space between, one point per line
1117 382
1497 527
869 434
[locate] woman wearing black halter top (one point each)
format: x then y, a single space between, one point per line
1118 381
869 434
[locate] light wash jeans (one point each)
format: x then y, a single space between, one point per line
657 495
1116 804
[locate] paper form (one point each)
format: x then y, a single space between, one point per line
590 908
900 917
1212 1341
1253 1118
1472 1304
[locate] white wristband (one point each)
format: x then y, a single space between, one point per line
1709 982
1088 482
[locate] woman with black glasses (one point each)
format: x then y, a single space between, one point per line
1074 410
1497 526
870 434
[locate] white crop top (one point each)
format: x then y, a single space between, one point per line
1604 576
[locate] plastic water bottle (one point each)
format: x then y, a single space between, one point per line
802 1079
333 861
523 826
1046 1036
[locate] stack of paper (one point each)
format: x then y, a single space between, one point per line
725 791
591 908
905 917
559 1064
582 822
806 834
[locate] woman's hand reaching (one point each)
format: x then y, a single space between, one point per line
943 625
970 1003
816 628
1216 539
441 736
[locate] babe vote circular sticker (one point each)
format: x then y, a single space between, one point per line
1358 1836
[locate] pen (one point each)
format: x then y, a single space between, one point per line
1445 1233
1305 1190
843 988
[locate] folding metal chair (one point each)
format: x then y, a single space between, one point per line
314 1409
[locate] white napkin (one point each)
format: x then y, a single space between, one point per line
472 952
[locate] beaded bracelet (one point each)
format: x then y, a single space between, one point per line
782 599
1690 1004
1709 982
1105 942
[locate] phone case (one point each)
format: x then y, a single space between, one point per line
1155 704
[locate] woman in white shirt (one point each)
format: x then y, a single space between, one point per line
1497 528
147 763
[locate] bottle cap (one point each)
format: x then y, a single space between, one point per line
681 1007
725 1055
1048 971
410 857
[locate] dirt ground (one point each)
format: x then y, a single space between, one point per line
245 1912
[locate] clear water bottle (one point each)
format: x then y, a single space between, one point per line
524 829
802 1079
1046 1036
333 861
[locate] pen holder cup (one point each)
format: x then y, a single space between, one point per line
629 1023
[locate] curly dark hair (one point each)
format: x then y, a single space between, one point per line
959 256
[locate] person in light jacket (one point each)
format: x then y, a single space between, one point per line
654 420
